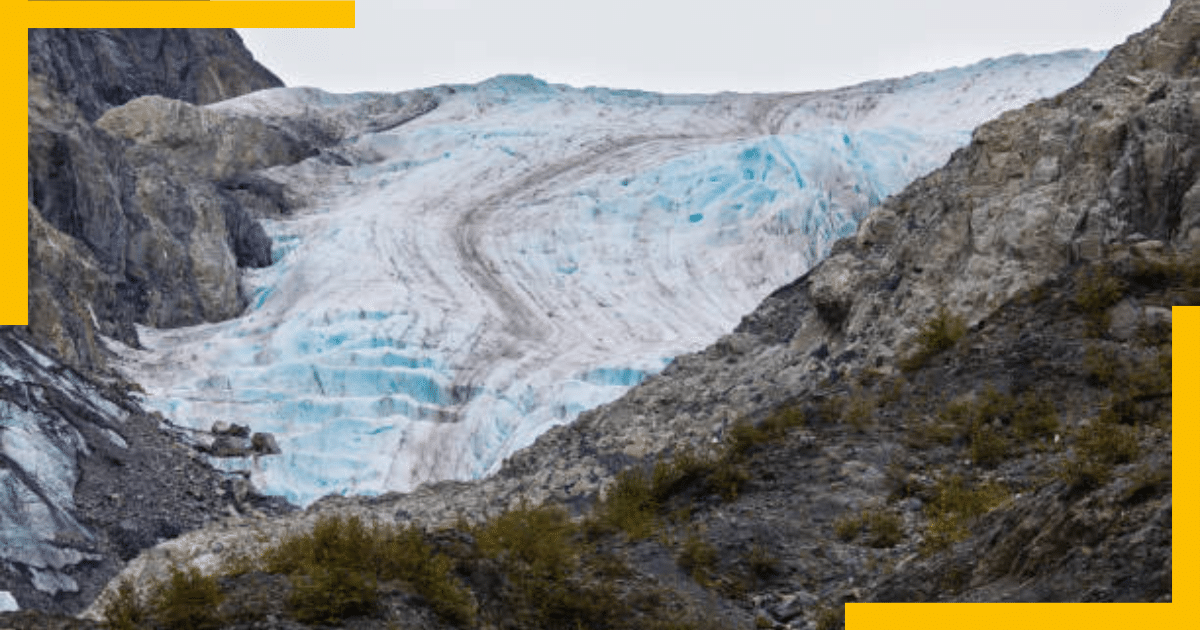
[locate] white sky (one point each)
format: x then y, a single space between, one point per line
682 45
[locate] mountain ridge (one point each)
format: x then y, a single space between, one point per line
812 340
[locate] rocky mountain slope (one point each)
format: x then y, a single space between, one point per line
118 233
968 400
122 234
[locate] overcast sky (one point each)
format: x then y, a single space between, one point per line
682 45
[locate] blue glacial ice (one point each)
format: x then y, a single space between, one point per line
527 251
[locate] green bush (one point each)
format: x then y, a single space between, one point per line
879 527
744 435
629 506
698 558
187 601
989 446
335 570
403 554
859 411
122 609
637 497
937 335
1096 289
955 503
540 539
828 617
761 563
1098 449
329 594
1035 417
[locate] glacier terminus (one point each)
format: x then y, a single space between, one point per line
467 266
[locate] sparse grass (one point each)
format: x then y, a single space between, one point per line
1146 482
762 565
877 527
745 435
828 617
123 610
1035 417
989 446
188 600
955 503
937 335
542 539
1096 289
636 498
995 426
336 568
1100 364
1098 448
1138 389
859 411
698 558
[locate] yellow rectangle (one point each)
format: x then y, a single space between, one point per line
247 14
14 239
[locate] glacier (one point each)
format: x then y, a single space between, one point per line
474 264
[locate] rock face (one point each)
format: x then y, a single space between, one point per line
1102 176
129 219
101 68
88 480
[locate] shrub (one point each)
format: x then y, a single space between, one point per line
1035 418
335 570
328 594
333 541
761 563
954 505
937 335
122 610
883 528
187 601
1096 289
629 505
698 558
745 435
827 618
539 539
859 411
847 527
727 477
1098 449
404 555
989 447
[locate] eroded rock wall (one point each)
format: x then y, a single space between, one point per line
136 222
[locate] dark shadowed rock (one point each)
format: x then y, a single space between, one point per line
100 68
131 226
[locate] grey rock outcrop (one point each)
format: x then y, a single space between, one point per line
122 229
135 221
100 68
88 480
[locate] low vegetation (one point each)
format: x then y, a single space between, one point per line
937 335
540 567
1096 290
955 503
874 527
